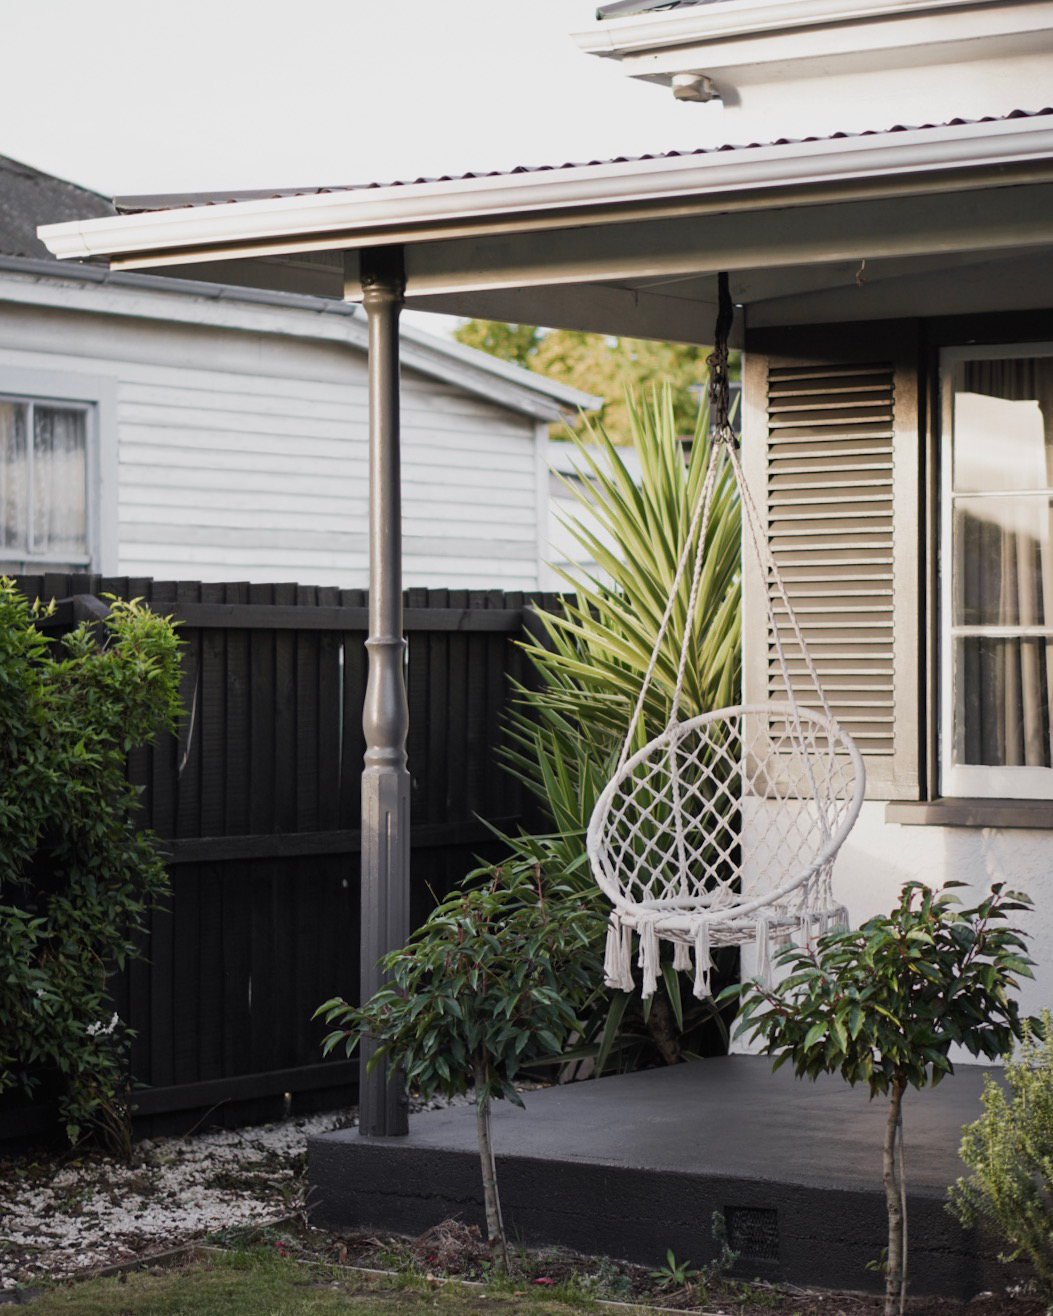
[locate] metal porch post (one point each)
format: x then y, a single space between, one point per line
385 716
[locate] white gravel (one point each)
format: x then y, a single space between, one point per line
58 1217
70 1214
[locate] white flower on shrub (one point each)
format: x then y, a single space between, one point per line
99 1029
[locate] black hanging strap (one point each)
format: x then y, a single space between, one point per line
717 361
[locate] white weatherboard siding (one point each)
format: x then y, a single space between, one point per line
469 495
243 455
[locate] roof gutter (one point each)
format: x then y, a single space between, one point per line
642 32
974 155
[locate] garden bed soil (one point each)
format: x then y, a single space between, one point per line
454 1250
75 1214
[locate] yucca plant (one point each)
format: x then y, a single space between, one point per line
590 657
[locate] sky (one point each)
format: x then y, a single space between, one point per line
143 96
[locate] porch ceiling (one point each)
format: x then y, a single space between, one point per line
946 220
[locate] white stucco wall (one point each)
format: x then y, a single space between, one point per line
879 857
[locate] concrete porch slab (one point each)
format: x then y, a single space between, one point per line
631 1165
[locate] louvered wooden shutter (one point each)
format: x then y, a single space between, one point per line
832 450
830 529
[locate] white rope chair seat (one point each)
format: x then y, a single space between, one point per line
723 830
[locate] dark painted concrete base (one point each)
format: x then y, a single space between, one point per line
633 1165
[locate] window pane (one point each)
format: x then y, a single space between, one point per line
1003 561
60 517
1002 715
13 496
1003 424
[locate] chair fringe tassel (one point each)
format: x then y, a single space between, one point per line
617 962
618 957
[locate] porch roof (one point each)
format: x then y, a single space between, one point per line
952 217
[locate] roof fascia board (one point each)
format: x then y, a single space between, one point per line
983 45
331 220
995 219
623 36
946 183
188 302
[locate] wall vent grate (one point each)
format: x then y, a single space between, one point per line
753 1232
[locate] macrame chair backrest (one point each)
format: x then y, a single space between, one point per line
723 829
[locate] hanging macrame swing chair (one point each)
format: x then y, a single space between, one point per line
723 829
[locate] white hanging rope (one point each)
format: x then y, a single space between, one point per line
723 828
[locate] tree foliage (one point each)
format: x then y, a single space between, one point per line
606 366
516 343
76 874
492 980
883 1005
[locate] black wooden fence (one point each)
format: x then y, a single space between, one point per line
257 802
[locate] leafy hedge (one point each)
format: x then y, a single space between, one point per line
76 874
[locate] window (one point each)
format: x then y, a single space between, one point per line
996 570
43 482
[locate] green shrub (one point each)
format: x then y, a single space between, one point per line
1010 1152
76 875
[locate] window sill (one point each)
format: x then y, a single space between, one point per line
971 813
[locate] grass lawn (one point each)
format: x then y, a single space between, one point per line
260 1282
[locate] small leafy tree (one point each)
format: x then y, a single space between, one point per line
883 1005
76 873
489 982
1009 1150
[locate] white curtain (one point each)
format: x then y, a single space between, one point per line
59 482
1005 558
13 474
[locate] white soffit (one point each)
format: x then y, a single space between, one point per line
970 155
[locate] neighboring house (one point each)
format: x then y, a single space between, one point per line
895 286
176 429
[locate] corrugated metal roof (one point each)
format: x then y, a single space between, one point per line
177 201
29 197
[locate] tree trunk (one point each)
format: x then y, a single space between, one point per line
661 1024
495 1225
896 1270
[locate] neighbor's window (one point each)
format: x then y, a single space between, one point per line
43 482
997 573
